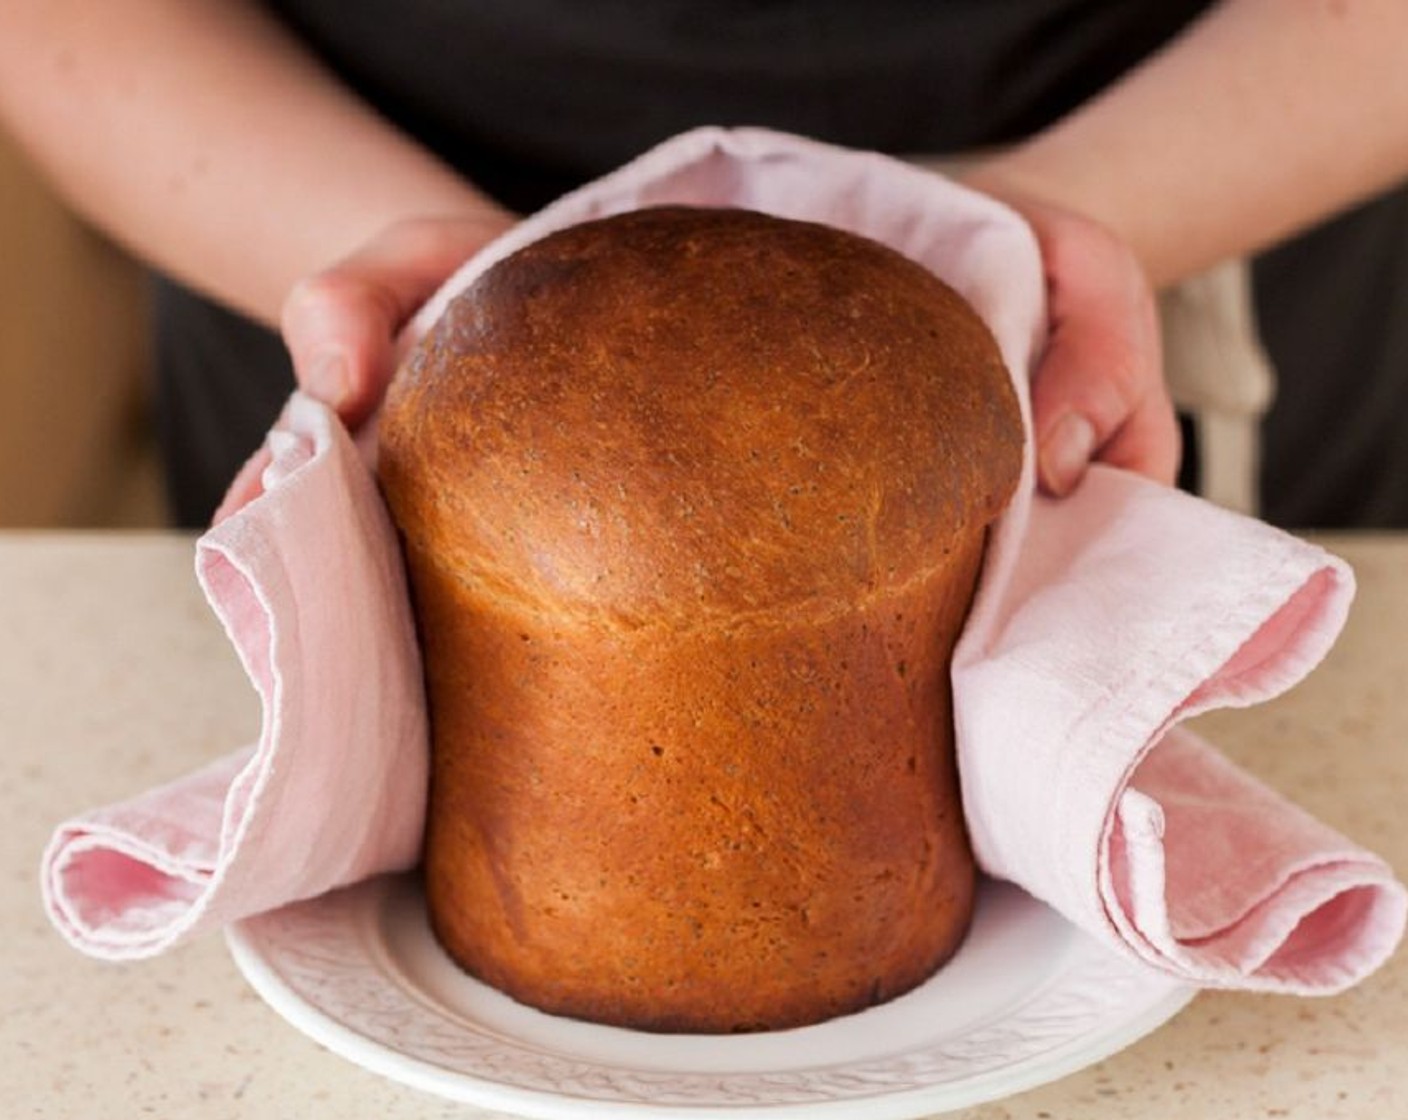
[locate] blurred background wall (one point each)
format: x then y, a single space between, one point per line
75 435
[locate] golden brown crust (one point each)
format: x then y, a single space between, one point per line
682 411
693 505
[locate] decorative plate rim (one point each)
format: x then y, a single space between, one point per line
333 969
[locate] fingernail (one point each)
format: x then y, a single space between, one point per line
1065 453
328 380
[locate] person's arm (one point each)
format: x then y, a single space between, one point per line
1262 118
201 135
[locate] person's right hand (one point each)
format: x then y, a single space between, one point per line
341 324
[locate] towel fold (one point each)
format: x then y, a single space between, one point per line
1132 607
308 583
1102 621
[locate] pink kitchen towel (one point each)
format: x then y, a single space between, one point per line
1102 622
308 583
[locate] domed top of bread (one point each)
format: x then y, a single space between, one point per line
679 413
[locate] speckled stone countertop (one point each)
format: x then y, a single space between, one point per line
114 677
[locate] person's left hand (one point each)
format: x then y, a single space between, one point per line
1098 393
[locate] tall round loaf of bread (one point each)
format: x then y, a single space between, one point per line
693 504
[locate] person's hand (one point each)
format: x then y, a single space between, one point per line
340 325
1098 393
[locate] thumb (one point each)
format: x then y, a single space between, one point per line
1098 395
340 325
1098 391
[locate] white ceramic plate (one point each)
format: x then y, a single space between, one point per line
1026 1000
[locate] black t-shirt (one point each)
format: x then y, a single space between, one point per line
529 98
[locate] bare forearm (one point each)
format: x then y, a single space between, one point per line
201 135
1264 117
